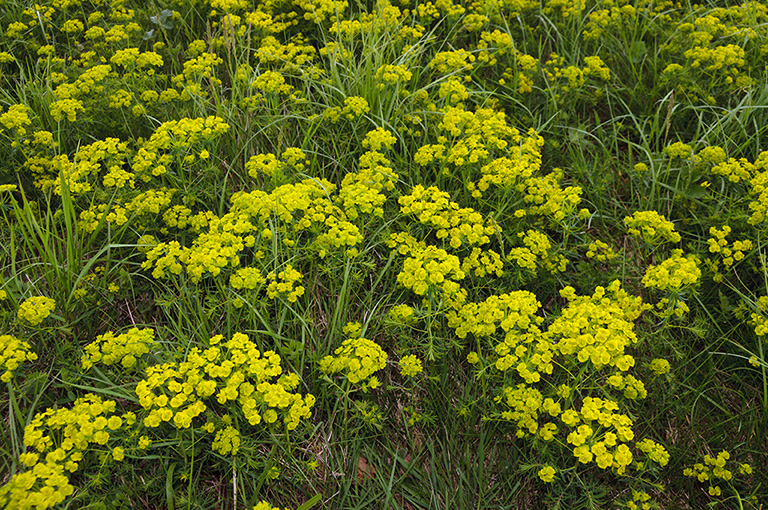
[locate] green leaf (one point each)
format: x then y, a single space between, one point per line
310 503
169 487
637 51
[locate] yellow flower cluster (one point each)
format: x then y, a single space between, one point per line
131 57
272 82
641 500
173 141
198 70
653 227
467 138
318 11
482 263
597 328
430 267
289 56
358 359
305 206
601 251
548 199
354 107
713 59
674 274
511 172
16 119
390 74
565 8
759 319
447 62
679 150
727 254
607 19
379 139
410 366
714 468
632 387
402 314
654 451
523 347
341 234
13 352
668 307
570 78
232 371
125 349
759 186
363 191
513 312
264 505
536 253
246 278
150 202
433 207
494 46
735 170
525 403
659 366
601 429
547 474
36 309
90 159
285 284
66 434
712 64
227 441
66 108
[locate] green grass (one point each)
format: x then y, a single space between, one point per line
155 234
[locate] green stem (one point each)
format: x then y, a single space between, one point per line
191 471
762 369
12 409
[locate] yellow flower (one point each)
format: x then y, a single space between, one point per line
675 273
357 358
547 473
410 366
35 309
118 453
659 366
13 352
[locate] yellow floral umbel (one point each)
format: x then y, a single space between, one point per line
725 253
227 441
759 318
401 314
358 359
547 473
125 349
233 371
13 352
285 284
34 310
56 442
715 468
410 366
652 227
674 274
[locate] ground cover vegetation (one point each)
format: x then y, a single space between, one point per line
383 254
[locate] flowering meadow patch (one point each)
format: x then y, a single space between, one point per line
393 253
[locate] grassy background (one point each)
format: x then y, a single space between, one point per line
358 450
